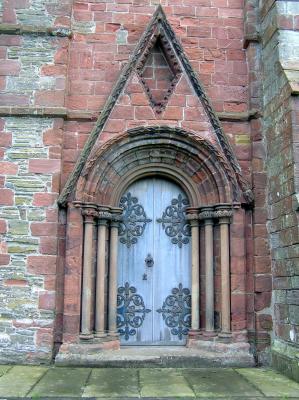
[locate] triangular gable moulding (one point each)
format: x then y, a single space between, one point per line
159 24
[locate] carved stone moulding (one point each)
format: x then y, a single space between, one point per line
182 156
159 41
222 212
206 213
93 211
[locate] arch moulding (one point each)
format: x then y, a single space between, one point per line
184 157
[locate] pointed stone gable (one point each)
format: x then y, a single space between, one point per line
157 87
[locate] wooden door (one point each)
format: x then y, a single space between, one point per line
154 265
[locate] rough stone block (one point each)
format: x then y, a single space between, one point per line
42 265
41 166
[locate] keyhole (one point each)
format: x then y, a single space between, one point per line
149 261
144 277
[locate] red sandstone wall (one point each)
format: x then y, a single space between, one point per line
85 68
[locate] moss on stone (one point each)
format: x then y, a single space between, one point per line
17 227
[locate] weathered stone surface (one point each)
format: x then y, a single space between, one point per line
270 382
18 227
62 382
280 46
164 382
75 383
19 288
209 383
36 12
30 81
110 382
18 381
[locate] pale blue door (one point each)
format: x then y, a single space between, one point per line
154 273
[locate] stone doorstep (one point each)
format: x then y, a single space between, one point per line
204 354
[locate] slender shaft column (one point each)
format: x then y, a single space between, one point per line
100 280
87 307
192 216
207 215
224 213
113 271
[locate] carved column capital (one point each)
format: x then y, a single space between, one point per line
206 215
116 216
223 213
192 216
90 213
104 215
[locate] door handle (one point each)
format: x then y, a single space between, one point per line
149 261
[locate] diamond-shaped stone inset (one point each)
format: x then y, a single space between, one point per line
159 71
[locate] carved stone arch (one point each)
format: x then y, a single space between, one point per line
183 156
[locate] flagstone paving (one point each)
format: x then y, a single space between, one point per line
41 382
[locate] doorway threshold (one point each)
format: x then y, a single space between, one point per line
162 357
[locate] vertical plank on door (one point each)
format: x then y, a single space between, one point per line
171 263
131 261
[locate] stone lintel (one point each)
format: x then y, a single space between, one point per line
63 112
20 29
16 111
239 116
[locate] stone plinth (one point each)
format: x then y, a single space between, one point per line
85 353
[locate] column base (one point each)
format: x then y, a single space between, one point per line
209 334
194 333
113 334
225 337
86 336
100 335
224 334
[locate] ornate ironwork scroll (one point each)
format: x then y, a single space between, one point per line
131 311
175 223
176 311
134 220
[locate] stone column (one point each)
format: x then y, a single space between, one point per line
224 213
112 305
206 214
104 216
89 212
192 216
